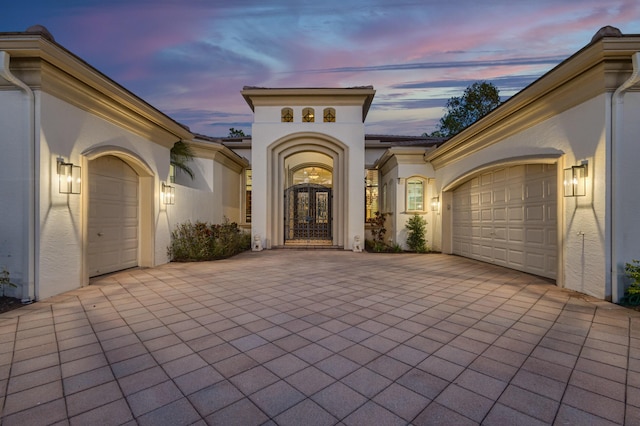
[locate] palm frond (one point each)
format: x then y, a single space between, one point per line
181 154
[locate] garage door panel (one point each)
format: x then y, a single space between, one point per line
516 193
534 213
499 235
516 224
516 258
500 255
500 196
535 236
113 216
516 235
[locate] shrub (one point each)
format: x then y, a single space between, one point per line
200 241
632 294
5 280
416 227
377 231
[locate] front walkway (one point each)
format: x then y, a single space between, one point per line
321 338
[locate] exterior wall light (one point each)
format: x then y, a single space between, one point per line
435 204
168 194
69 177
575 181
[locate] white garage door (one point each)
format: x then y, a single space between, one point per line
113 216
508 217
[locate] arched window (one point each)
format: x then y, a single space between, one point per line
287 115
308 115
415 194
329 115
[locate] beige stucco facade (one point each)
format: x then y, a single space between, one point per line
54 107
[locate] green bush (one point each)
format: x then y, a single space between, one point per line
5 280
416 240
200 241
378 230
632 294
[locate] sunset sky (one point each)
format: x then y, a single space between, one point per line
191 58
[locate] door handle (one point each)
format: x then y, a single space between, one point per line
100 234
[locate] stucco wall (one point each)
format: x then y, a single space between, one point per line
17 187
569 138
68 132
348 129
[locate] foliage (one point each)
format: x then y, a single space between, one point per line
632 294
478 100
200 241
5 280
181 153
236 133
377 231
416 230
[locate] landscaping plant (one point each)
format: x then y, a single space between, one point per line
5 280
200 241
416 230
632 294
377 231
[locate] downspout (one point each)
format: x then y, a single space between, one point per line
29 285
617 113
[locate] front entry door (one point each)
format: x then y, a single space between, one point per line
307 212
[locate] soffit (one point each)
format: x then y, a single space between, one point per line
49 67
596 69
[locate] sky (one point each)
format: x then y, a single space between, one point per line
191 58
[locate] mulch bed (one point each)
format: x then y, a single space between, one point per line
9 303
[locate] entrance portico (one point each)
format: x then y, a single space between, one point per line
308 165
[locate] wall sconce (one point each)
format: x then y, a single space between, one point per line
69 177
575 181
435 204
168 194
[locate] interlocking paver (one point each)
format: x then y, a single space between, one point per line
296 337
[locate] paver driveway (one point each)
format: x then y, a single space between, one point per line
321 338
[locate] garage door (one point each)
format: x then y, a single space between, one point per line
113 216
508 217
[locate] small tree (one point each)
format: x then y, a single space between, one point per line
377 231
478 100
236 133
416 240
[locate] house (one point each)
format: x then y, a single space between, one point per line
544 184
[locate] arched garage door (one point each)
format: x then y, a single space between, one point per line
113 216
508 217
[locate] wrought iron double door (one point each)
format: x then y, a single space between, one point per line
307 212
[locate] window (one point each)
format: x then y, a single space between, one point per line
287 115
308 115
329 115
247 195
415 194
371 194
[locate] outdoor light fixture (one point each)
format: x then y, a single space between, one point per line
168 194
69 177
435 203
575 181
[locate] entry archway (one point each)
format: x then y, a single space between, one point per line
300 151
